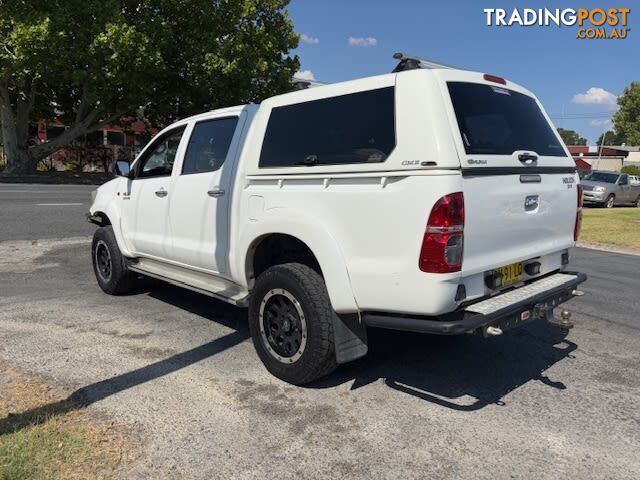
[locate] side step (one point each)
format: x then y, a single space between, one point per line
200 282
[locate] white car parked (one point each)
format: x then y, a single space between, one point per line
430 200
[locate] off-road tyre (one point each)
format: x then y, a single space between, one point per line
109 264
293 288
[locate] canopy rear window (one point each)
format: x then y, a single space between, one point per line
497 121
353 128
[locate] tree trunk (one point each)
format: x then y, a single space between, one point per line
19 158
22 158
19 161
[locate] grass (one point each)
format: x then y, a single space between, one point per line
61 442
619 226
50 450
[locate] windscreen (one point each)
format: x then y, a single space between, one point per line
498 121
602 177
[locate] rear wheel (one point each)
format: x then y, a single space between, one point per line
291 323
610 201
637 202
109 264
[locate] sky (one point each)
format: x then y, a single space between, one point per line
577 80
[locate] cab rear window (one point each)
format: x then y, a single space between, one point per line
498 121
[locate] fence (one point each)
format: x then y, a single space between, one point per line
81 157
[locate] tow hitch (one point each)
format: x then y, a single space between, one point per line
540 311
543 310
563 320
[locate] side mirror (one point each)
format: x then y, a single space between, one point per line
122 168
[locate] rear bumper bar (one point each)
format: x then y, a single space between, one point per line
505 310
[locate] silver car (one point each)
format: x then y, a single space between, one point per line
609 189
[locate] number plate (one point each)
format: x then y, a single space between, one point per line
510 273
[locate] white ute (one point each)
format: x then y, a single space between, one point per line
432 200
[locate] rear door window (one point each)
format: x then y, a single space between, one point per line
353 128
209 145
497 121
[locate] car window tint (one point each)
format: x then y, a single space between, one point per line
498 121
209 145
353 128
160 157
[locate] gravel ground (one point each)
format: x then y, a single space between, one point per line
180 366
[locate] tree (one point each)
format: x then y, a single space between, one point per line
92 62
631 170
610 138
627 118
571 137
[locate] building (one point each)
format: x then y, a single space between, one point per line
94 151
611 157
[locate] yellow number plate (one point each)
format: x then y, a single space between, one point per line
510 273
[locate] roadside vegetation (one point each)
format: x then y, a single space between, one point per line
44 438
618 226
94 63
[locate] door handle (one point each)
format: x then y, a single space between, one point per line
161 193
215 193
527 158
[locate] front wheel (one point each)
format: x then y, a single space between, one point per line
637 202
291 323
109 264
610 202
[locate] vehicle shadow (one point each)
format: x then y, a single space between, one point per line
464 373
204 306
81 398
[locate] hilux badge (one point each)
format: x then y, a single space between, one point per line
531 203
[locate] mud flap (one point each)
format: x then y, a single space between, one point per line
350 337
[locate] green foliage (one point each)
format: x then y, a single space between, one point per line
38 452
631 169
88 61
610 138
627 119
571 137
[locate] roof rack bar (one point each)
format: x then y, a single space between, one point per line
303 83
408 62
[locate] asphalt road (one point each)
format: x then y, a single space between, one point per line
30 211
532 403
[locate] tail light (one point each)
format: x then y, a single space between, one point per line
442 244
576 228
580 198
